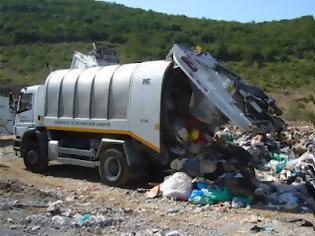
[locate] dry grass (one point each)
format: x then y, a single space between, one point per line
297 104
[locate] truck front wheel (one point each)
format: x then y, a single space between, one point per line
114 169
33 160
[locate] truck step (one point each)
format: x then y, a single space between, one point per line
78 162
78 152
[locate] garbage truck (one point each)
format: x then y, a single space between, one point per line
119 116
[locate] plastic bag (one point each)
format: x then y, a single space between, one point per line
200 197
178 186
221 194
211 196
280 166
278 156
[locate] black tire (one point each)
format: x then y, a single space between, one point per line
33 160
113 168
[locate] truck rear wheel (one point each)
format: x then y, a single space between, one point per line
33 160
114 169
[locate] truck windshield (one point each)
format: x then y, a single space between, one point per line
25 103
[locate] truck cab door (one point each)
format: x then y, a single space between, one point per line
25 113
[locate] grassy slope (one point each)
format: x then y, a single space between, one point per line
288 74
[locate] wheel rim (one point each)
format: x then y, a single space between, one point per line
112 169
32 157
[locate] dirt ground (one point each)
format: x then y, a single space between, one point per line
25 199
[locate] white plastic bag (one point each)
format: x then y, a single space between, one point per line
178 186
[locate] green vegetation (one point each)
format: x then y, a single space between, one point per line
300 114
276 55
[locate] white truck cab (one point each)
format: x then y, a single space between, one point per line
29 111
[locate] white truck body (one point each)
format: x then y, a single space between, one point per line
117 99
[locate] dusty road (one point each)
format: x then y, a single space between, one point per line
25 198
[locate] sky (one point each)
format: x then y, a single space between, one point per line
230 10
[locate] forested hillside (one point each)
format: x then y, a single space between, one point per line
275 55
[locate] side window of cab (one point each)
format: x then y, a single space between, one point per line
25 102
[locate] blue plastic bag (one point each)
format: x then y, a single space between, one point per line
211 196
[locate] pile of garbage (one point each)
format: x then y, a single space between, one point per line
275 170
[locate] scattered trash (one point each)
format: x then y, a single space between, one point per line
237 203
40 219
127 210
82 219
252 219
211 196
54 207
67 212
301 222
92 187
178 186
142 190
174 233
173 210
58 220
95 220
13 226
267 229
102 221
241 168
46 192
282 178
153 192
291 201
304 208
69 199
10 205
35 228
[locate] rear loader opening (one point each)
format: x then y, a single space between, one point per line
175 104
188 120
